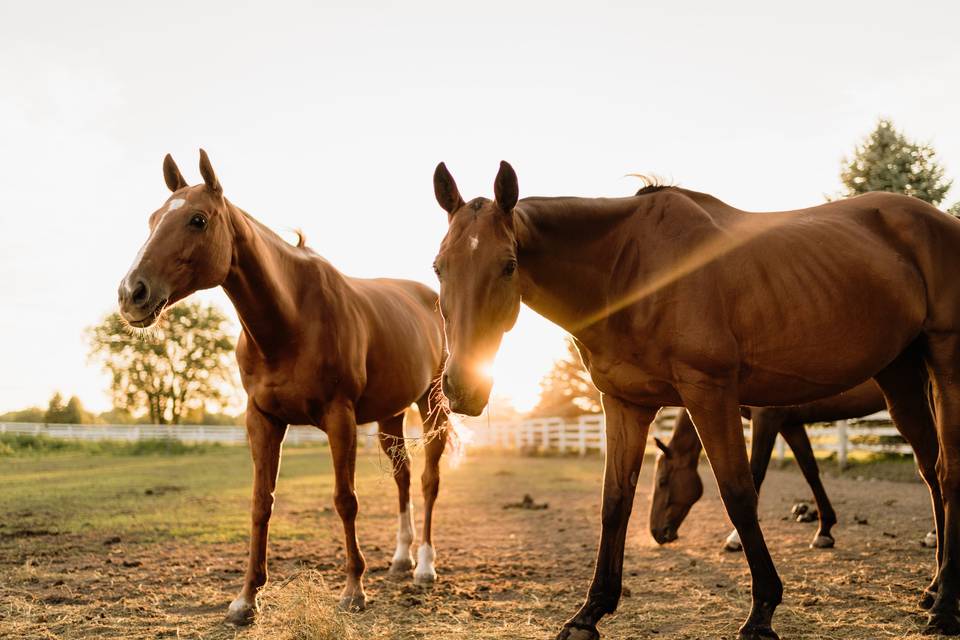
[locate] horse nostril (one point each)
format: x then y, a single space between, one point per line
141 293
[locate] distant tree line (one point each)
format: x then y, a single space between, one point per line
73 412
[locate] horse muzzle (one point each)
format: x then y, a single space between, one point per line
140 304
468 395
664 535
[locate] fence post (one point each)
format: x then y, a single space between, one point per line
781 449
583 436
842 443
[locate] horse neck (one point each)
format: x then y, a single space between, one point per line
685 444
567 248
263 284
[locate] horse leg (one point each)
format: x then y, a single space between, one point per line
266 437
393 444
944 366
904 385
341 426
717 417
763 436
626 428
435 437
795 433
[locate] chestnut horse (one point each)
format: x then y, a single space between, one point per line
676 481
677 299
317 348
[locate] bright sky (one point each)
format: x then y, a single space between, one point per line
332 118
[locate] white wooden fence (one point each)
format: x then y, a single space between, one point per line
226 434
586 433
562 435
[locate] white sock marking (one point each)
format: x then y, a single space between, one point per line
404 535
425 558
733 540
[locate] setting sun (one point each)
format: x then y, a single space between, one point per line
527 353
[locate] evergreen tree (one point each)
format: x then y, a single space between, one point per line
567 390
887 161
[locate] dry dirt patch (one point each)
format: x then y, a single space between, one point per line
117 570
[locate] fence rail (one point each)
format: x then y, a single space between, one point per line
874 433
225 434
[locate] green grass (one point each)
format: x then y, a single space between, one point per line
12 445
205 495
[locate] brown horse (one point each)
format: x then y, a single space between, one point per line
677 299
677 485
317 348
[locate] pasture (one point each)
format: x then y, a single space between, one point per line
118 545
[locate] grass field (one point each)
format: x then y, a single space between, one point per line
146 544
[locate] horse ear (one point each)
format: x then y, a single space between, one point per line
446 189
505 187
172 175
663 447
209 177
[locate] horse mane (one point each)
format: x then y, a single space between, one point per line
651 183
301 238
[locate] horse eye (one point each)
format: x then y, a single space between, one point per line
509 268
198 221
436 269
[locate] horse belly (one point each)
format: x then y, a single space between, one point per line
399 371
821 351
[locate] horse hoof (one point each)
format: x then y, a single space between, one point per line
570 632
758 633
353 604
241 613
424 579
822 542
401 567
732 546
943 624
927 599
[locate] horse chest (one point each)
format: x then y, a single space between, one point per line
296 392
636 382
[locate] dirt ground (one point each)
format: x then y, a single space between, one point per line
108 563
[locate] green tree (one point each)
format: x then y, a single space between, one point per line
567 390
954 210
70 412
31 414
182 363
887 161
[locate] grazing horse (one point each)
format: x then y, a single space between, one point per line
317 348
677 485
675 298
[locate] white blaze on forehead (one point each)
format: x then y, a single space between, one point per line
173 205
474 242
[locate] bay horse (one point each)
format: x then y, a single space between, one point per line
316 347
675 298
677 485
